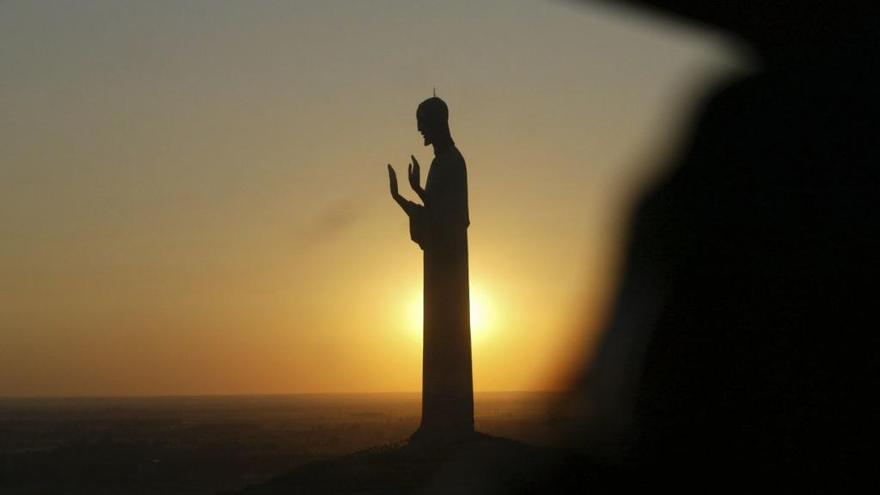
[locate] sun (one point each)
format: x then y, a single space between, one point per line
482 314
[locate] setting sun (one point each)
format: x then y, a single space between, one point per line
483 314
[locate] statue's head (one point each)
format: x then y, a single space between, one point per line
433 120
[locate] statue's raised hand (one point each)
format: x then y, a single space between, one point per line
408 206
415 173
392 181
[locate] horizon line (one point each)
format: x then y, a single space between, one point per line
270 394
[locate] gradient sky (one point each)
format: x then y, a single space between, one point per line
193 196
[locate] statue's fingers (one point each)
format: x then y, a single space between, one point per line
415 162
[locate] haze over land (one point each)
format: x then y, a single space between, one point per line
193 197
196 445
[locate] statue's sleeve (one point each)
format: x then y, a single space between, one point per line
417 227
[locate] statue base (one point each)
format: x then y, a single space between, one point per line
440 438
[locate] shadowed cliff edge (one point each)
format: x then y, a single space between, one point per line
482 464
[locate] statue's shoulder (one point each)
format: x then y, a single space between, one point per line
454 158
449 165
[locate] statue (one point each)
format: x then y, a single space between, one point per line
439 226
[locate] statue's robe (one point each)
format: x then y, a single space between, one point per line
440 228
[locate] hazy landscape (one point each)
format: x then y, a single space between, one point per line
197 445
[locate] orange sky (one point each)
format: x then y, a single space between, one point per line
193 197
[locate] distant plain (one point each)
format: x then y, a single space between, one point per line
201 445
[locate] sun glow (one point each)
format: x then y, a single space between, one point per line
482 314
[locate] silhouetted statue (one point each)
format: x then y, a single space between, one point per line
439 227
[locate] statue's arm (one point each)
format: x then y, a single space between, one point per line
415 178
411 208
406 205
414 211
